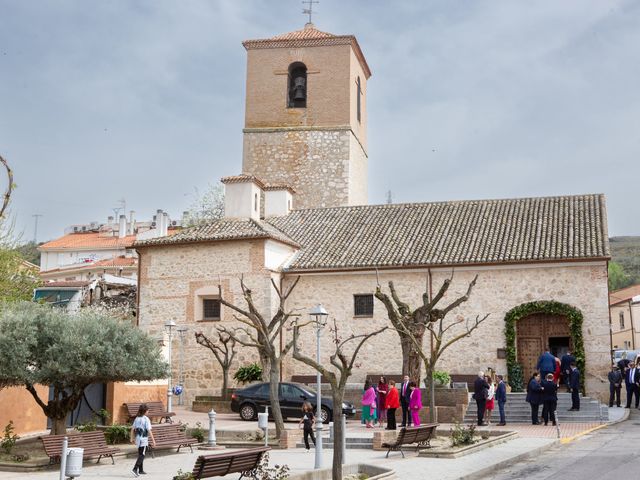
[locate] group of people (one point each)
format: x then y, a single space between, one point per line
628 371
379 403
487 390
542 388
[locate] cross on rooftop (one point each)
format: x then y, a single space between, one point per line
309 11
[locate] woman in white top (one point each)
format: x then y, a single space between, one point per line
140 434
490 399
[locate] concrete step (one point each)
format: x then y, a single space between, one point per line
352 443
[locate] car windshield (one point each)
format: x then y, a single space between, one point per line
307 392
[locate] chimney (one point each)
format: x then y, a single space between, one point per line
165 224
110 220
122 231
242 196
277 200
132 222
159 219
185 218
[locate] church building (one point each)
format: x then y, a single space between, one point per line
299 209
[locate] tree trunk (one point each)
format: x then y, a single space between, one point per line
338 396
225 382
430 384
411 361
58 426
274 381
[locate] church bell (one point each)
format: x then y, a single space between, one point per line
299 88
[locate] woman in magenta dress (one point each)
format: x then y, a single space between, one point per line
369 404
415 403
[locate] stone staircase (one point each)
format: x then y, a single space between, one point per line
517 410
352 442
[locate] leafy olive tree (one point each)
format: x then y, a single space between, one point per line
43 345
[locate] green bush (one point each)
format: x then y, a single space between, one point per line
442 378
117 434
197 432
249 373
183 475
9 439
462 436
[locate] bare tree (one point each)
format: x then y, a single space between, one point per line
337 375
411 326
224 350
264 335
7 194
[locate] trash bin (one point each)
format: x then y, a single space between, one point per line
74 462
263 420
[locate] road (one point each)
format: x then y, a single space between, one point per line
611 452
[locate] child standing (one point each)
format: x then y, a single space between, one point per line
140 434
308 420
415 403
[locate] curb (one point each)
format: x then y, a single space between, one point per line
491 469
624 418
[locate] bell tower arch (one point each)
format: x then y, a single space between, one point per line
305 116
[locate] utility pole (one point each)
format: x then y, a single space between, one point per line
35 230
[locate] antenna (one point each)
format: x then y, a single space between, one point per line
389 197
35 230
309 11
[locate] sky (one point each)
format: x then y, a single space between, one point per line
143 100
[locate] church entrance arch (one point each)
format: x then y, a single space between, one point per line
537 332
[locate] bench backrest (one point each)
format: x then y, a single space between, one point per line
168 430
155 408
53 443
219 465
411 435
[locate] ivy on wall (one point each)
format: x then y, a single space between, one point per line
548 307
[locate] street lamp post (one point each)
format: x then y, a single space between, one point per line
182 330
319 316
169 326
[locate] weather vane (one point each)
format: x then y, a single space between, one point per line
309 11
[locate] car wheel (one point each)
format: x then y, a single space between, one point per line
325 414
248 412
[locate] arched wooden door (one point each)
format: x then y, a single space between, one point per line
537 332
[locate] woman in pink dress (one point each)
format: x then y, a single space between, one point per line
415 403
369 404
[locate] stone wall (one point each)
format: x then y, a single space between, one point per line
327 167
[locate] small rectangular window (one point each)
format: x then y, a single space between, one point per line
363 305
210 309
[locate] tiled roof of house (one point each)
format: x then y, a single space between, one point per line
224 229
117 262
120 261
624 294
92 240
449 233
243 178
309 36
67 284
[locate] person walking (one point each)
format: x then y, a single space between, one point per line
490 400
480 393
369 404
574 383
549 399
631 379
415 403
534 397
615 385
383 389
405 394
501 398
565 368
141 432
392 403
546 363
307 422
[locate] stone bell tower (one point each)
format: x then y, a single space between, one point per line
306 116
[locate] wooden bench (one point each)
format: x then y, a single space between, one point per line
94 445
419 435
171 435
156 410
243 462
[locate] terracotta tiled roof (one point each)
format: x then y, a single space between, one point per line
274 186
243 178
309 36
68 284
120 261
224 229
624 294
107 263
449 233
93 240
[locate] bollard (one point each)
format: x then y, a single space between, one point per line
63 458
211 440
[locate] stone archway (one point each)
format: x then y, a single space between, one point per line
538 331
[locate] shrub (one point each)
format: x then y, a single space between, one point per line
462 436
117 434
198 432
9 439
249 373
442 378
183 475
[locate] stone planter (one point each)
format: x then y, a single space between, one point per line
372 472
447 451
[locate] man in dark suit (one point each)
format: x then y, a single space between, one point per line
549 399
405 396
501 398
615 385
631 380
546 364
565 368
480 393
574 383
